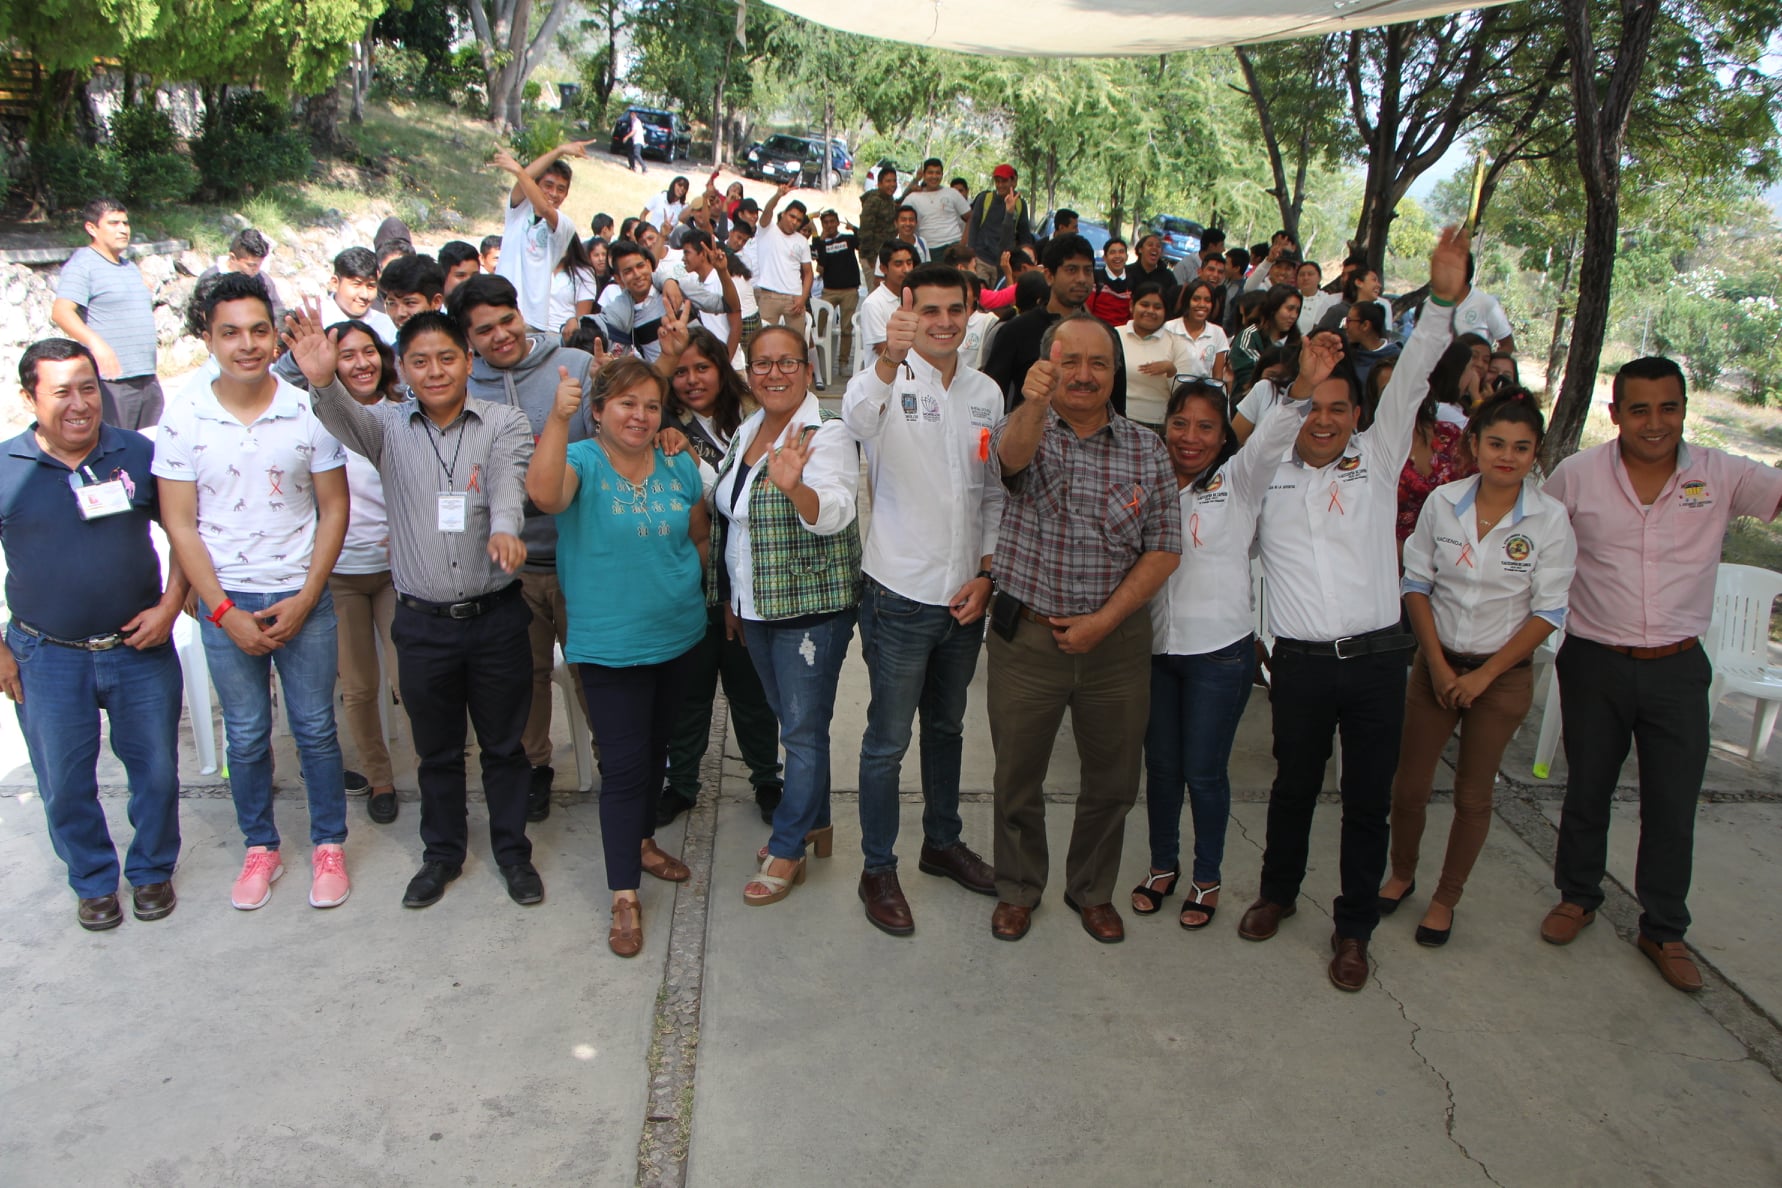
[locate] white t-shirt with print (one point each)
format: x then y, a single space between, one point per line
940 214
530 249
1482 314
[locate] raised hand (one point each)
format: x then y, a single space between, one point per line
505 160
1319 355
1045 377
1011 201
574 148
785 465
568 400
900 330
672 332
1447 265
316 351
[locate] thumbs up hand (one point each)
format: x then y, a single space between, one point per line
900 329
568 400
1045 377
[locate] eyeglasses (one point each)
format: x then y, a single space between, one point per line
766 366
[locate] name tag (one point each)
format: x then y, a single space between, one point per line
454 511
97 500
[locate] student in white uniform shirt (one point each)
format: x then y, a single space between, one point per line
1203 640
784 273
351 290
1329 554
1210 347
1154 357
1487 574
1313 299
536 232
924 421
1482 314
896 260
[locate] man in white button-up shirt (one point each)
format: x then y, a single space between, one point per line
925 421
1329 555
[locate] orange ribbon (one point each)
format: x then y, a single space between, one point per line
983 445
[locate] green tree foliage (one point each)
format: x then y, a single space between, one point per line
249 146
146 147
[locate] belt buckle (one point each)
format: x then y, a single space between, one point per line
104 643
461 610
1337 646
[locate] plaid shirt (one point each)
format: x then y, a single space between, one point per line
1082 513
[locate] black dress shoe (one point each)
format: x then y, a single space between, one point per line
767 799
382 808
538 795
152 901
356 784
669 806
1388 906
429 884
99 913
523 884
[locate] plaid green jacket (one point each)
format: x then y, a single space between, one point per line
797 572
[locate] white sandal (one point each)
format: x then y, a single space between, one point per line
777 887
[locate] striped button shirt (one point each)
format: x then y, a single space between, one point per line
481 455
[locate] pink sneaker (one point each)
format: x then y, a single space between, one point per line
253 887
329 886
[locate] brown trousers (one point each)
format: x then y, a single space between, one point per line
776 310
1485 730
846 301
1108 693
550 626
365 605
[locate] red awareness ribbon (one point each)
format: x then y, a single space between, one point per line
476 470
1336 501
1194 529
1466 556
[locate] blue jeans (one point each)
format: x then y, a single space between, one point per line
1196 702
65 688
307 666
799 668
920 660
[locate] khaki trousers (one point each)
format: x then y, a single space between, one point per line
776 310
1108 693
1485 730
550 626
845 302
365 605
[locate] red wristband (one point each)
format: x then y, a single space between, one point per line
223 608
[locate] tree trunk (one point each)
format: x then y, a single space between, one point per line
1051 179
1556 347
828 174
718 128
1289 203
1601 123
321 119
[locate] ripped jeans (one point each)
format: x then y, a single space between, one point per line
799 669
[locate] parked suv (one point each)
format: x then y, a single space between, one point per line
1180 236
797 160
665 134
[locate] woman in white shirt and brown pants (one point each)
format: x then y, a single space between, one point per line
1487 572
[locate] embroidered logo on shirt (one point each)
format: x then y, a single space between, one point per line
1518 547
1350 462
1214 483
1694 493
930 408
909 406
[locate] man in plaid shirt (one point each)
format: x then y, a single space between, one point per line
1090 531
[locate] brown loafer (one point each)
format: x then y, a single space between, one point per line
625 937
1564 923
99 913
959 863
152 901
1263 919
886 907
1673 962
663 865
1010 921
1348 968
1100 921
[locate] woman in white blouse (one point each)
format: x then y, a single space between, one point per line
1202 639
1209 346
1487 573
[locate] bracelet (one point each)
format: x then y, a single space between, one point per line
223 608
1434 300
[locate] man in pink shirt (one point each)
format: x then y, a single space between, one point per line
1649 512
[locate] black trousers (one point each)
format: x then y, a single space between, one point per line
484 666
633 710
1661 707
1313 698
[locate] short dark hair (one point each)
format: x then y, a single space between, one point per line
1063 215
621 248
600 222
796 205
1020 258
454 253
433 321
939 276
960 181
1112 240
215 290
249 244
98 208
891 247
489 241
51 350
1649 367
485 288
1313 265
693 238
356 263
1064 247
1211 235
1152 289
933 163
1355 262
908 207
412 274
1031 290
958 255
1237 259
737 227
561 168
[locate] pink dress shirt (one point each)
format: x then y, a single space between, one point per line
1646 575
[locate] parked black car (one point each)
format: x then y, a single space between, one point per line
796 159
665 134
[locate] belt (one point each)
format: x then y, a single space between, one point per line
1466 663
1657 653
1035 617
468 609
93 643
1350 647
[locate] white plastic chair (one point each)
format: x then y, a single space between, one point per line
579 735
819 336
1738 643
194 669
858 363
1547 743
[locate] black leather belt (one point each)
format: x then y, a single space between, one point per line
468 609
1463 662
1350 647
92 643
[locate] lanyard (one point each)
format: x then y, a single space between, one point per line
449 470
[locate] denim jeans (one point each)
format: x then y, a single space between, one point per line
920 660
799 668
65 688
307 666
1196 703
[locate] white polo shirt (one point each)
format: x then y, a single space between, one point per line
1482 590
1206 604
780 260
940 214
256 499
1208 345
1329 549
936 506
333 315
1480 314
875 314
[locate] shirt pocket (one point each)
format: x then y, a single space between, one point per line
1123 515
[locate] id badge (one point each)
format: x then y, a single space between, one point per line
454 511
97 500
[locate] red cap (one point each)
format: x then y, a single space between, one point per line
1003 171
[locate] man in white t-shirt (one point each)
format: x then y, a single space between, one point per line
1482 314
941 211
896 259
783 263
536 232
1313 300
701 276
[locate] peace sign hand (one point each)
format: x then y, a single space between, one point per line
785 465
672 332
316 351
1045 377
900 330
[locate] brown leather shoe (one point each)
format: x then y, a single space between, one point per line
99 913
886 907
658 862
1348 969
959 863
1564 923
152 901
1673 962
1263 919
1100 921
1010 921
625 937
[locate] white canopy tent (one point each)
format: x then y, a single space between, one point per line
1105 27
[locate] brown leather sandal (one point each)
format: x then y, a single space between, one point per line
663 865
626 935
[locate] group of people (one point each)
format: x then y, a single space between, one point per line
1084 508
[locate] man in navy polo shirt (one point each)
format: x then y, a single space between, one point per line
89 631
